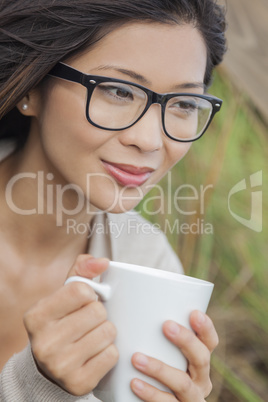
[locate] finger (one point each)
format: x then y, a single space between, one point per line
194 350
83 379
64 301
87 377
177 381
69 299
88 266
76 354
147 392
75 325
93 343
204 328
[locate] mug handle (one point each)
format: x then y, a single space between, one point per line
102 289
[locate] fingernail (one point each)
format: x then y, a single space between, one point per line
173 328
138 385
200 318
89 262
83 265
104 259
141 360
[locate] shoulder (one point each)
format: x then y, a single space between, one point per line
137 241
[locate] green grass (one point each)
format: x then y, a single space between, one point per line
234 257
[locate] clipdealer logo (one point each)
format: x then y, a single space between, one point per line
255 220
49 199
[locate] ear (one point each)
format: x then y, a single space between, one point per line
29 105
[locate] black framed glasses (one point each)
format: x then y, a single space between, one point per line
114 105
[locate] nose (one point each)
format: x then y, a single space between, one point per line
147 133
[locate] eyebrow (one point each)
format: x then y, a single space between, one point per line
129 73
140 78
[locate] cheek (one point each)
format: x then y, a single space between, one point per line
174 153
69 144
183 148
63 116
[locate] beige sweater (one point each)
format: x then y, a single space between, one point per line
123 237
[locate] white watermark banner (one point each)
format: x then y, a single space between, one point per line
255 220
133 227
183 200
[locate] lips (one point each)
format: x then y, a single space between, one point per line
128 175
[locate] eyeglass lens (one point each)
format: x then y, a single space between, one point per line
116 105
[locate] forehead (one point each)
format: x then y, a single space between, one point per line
169 53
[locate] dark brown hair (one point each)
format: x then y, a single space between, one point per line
35 35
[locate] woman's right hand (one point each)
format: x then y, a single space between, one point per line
72 341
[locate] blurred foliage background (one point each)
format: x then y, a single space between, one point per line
202 229
217 247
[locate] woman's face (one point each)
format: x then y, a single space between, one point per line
115 169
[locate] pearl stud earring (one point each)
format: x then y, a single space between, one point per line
24 106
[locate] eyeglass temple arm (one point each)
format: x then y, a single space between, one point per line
68 73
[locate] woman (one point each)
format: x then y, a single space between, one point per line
70 172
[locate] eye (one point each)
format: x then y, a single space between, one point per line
183 106
186 105
118 92
123 93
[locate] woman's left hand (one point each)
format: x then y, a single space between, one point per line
195 384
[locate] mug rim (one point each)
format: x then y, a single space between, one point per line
182 278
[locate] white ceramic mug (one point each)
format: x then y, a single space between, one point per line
138 301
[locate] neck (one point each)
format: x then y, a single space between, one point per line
39 208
